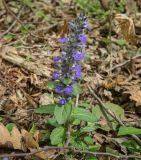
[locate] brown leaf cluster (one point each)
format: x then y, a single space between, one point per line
21 140
135 93
127 28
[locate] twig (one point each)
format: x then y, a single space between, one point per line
108 111
125 62
46 148
13 24
11 12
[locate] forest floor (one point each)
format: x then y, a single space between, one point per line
29 33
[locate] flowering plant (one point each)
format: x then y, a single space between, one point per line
65 84
68 64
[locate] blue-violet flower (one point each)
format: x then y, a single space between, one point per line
68 90
62 101
63 40
68 64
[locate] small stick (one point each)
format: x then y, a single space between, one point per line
13 24
125 62
11 12
46 148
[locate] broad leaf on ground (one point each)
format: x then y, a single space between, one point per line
62 114
83 114
57 136
116 109
48 109
128 131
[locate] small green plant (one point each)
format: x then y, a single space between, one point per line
93 8
27 3
41 14
25 29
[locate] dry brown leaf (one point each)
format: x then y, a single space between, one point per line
2 90
29 140
64 29
16 138
135 92
12 140
45 99
99 138
4 134
127 28
102 122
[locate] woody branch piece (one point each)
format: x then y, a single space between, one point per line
62 149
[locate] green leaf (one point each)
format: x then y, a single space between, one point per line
45 135
112 151
33 129
62 114
51 84
88 140
121 42
131 145
24 29
9 36
116 109
27 2
67 81
76 122
53 122
128 131
76 89
91 158
48 109
85 105
83 114
10 126
95 147
88 129
1 118
77 143
40 13
57 136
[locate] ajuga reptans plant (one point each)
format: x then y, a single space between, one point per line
68 64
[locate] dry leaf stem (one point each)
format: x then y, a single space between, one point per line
13 24
125 62
46 148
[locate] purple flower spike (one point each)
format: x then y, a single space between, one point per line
78 56
82 39
68 90
57 59
56 75
63 40
59 89
62 101
77 69
68 64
